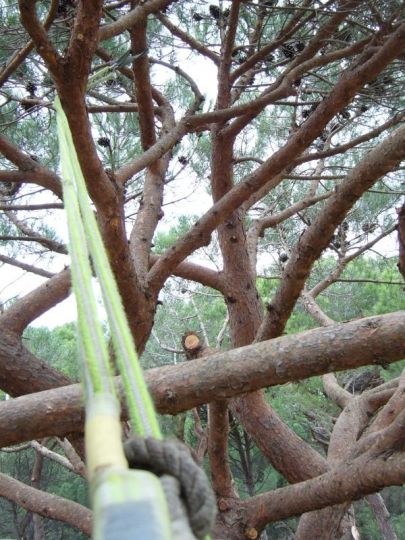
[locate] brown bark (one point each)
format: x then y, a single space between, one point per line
239 374
184 386
25 266
287 452
34 304
401 239
318 236
20 376
29 169
150 211
339 97
328 523
38 524
218 425
351 480
70 74
131 18
335 522
45 504
382 515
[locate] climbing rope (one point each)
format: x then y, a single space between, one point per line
127 504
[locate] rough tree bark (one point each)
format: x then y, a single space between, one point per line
303 40
45 504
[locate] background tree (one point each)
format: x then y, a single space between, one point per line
288 158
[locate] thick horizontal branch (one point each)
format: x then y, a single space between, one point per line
177 388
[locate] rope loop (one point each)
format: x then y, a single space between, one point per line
168 457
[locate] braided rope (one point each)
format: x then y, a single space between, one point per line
172 458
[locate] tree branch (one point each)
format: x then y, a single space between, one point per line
46 504
19 56
54 456
30 234
38 34
318 235
350 480
184 386
34 304
29 168
189 40
338 98
128 21
25 266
